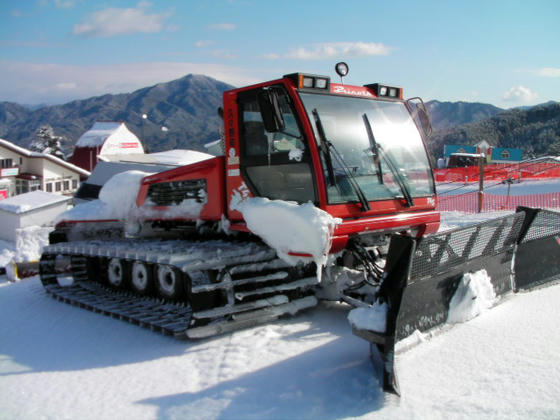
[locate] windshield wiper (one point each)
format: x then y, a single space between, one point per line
378 153
374 147
326 147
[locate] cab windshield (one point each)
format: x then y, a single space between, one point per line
390 159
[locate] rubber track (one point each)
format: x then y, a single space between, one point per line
168 318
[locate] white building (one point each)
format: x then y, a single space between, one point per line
36 208
23 171
104 138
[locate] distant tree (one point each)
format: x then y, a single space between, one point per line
47 142
554 149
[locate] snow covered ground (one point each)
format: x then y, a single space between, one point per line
59 361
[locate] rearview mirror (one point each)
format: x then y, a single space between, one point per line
270 110
420 114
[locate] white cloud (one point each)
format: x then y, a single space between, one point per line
472 95
65 4
223 54
112 22
66 85
549 72
223 27
520 94
32 83
338 50
204 43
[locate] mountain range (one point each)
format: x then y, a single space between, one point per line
183 114
180 114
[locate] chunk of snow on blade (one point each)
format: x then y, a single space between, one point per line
412 340
291 228
373 318
474 295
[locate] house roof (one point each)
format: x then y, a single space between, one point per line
30 201
27 153
100 132
175 157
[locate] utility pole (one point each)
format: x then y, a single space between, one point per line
142 141
481 158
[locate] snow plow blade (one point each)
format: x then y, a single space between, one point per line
518 251
537 258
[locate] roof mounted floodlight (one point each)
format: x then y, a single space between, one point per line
341 69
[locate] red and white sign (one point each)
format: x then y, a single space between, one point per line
351 90
128 145
3 194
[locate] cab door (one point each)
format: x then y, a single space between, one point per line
275 165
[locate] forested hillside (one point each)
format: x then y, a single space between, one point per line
535 130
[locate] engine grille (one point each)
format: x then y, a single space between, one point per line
174 192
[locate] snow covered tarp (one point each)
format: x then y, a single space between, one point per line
117 201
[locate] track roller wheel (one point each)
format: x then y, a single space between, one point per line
169 282
140 279
116 273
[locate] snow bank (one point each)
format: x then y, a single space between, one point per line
373 318
7 252
27 247
474 296
293 230
30 242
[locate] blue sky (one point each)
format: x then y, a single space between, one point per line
506 53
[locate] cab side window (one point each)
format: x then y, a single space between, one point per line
275 165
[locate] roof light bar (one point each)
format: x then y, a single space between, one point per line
384 91
309 81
